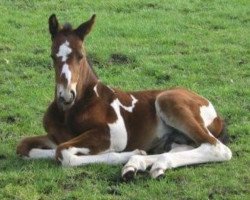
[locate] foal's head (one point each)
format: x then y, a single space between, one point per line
69 58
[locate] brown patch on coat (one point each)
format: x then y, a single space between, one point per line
96 140
216 126
182 110
24 147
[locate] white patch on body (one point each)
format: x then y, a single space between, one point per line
64 51
75 150
42 153
180 147
66 71
208 114
118 132
130 108
95 90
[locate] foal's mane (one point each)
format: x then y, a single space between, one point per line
66 28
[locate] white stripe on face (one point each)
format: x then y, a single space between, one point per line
64 51
66 71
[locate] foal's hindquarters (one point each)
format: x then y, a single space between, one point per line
194 119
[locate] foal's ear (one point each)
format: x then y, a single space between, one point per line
85 28
53 26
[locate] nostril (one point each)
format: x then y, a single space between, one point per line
73 94
61 99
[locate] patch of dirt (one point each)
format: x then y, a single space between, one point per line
93 59
160 79
5 49
152 5
242 62
11 119
2 157
119 58
38 50
114 191
81 176
215 193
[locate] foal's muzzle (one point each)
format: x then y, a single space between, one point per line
66 96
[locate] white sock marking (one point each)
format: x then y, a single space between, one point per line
108 158
160 162
42 153
180 147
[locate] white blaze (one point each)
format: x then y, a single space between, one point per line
67 72
64 51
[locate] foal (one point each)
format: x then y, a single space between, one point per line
89 122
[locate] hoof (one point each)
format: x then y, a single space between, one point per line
157 173
128 174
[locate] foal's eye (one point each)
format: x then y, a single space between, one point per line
79 56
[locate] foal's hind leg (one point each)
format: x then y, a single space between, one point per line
36 147
192 115
142 162
181 109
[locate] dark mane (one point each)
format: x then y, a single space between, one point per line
90 62
67 28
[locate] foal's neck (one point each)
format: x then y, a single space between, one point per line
87 78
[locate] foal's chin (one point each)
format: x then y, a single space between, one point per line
65 106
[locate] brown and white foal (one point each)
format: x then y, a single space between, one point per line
89 122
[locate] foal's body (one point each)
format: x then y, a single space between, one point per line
89 122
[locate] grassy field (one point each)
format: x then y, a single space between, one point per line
203 45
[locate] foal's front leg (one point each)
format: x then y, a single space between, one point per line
36 147
92 146
44 146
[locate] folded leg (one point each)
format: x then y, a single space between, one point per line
36 147
205 153
70 157
142 162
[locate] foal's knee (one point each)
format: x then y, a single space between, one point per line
23 148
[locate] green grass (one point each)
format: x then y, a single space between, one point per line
202 45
